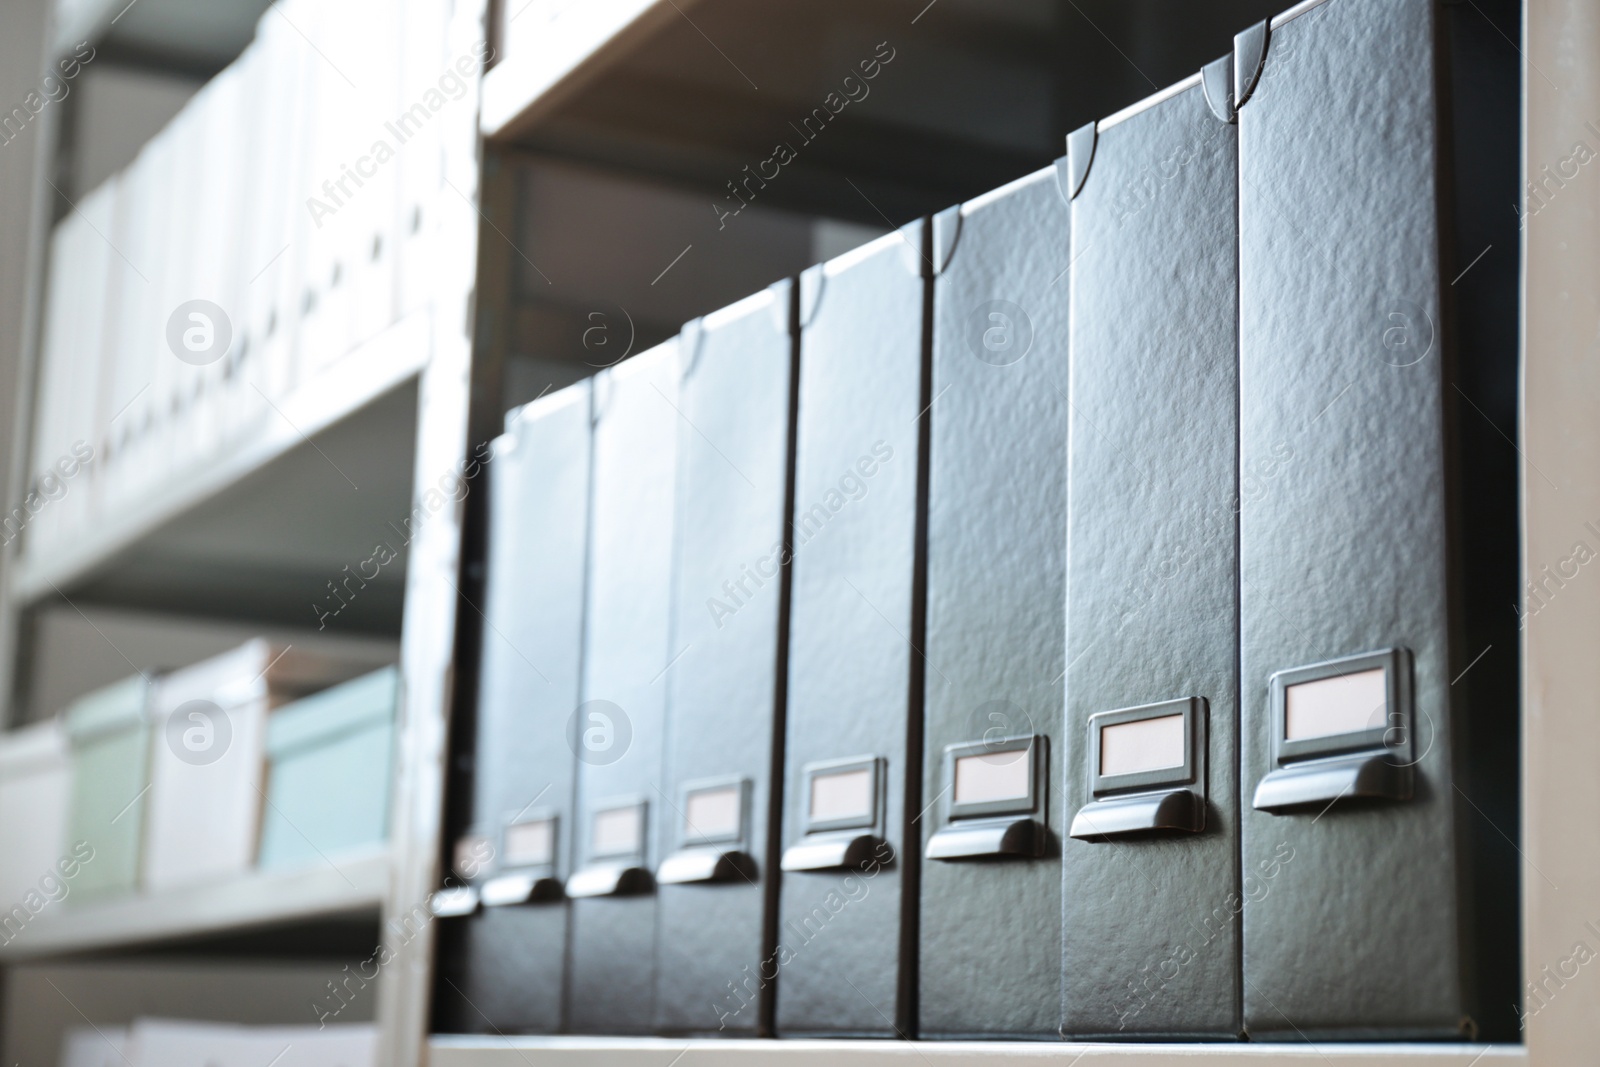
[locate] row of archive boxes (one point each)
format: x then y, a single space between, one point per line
282 218
267 757
1054 618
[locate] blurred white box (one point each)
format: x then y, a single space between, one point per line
370 240
35 782
80 276
277 254
167 1043
208 756
420 151
88 1047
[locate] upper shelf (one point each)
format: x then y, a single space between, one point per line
260 533
888 110
346 886
560 46
195 36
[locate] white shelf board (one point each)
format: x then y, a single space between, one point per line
342 886
200 33
567 46
657 1052
347 386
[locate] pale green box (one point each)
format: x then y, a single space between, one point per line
330 758
110 736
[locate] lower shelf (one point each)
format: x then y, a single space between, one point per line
666 1052
344 886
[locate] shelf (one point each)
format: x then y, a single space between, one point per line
197 37
656 1052
355 887
258 533
960 99
568 45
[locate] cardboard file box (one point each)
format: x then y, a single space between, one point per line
855 681
1379 561
627 648
110 735
35 788
208 757
508 958
990 921
1152 577
330 760
718 844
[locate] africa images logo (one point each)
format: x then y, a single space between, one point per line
199 733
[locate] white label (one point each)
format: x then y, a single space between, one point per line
530 844
713 813
842 795
1142 745
617 831
1326 707
990 776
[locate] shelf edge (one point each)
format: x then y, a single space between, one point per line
454 1051
346 387
340 886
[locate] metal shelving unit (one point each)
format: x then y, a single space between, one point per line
558 100
549 100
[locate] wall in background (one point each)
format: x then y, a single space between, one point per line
77 652
119 109
56 999
20 49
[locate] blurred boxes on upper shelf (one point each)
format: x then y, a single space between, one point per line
277 223
208 756
34 785
73 329
331 756
110 781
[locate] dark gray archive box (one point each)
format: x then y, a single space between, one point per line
717 880
1365 779
992 817
846 936
617 730
1151 921
515 944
